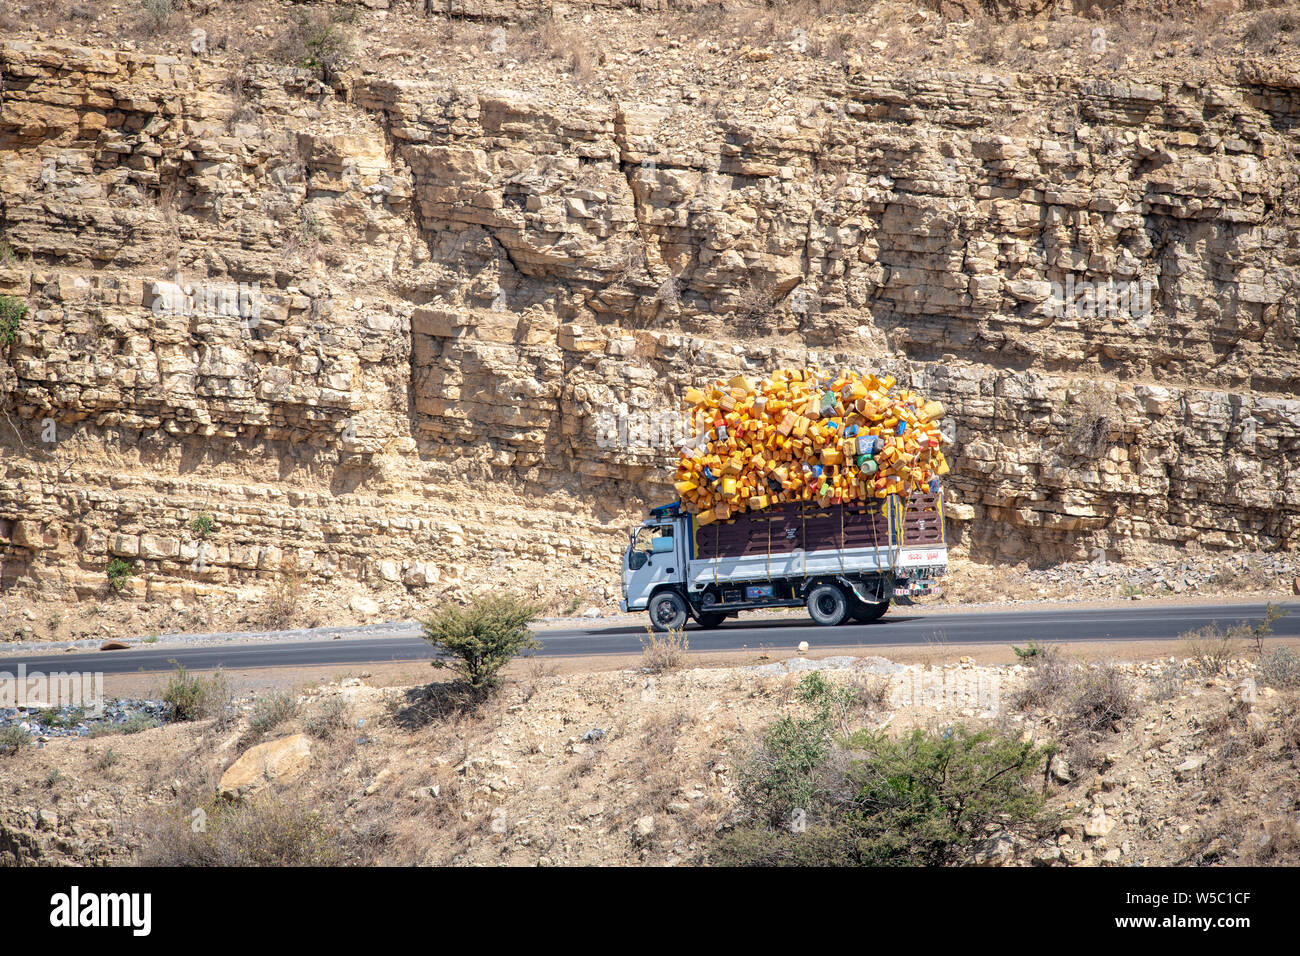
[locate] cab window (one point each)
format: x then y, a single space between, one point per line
654 540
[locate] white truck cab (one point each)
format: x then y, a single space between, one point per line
655 556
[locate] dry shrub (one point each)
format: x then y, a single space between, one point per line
871 692
1289 727
1050 683
195 697
755 304
329 717
1090 419
567 45
271 710
1213 647
1280 668
1263 34
1279 844
283 606
664 652
1104 698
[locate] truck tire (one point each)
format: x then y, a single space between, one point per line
711 619
866 613
667 611
827 605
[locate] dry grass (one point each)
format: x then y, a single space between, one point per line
283 607
655 767
661 653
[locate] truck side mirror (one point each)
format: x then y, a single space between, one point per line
636 560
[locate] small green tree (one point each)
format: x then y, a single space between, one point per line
926 798
481 638
202 524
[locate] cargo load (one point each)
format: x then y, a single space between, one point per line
806 435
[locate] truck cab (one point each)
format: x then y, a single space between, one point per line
656 555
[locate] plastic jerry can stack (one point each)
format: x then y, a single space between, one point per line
806 435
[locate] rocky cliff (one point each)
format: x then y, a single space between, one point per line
423 320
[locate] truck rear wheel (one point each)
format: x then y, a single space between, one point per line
667 611
866 613
709 620
827 605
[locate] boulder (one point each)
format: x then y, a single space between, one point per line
276 761
1098 824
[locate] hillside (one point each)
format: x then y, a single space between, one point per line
404 302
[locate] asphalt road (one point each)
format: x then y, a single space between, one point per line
901 626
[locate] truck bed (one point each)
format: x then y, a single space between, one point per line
805 539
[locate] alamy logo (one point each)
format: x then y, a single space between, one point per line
242 300
75 909
1081 299
38 690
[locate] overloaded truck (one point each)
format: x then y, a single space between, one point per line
805 488
843 562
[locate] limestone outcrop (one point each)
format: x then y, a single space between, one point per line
384 329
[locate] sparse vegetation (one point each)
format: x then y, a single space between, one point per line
1212 647
12 313
329 717
156 14
194 697
13 739
1091 417
1049 682
1029 653
1280 668
271 830
282 607
271 710
1269 27
755 304
928 798
482 638
666 651
119 572
1105 697
202 524
132 725
317 40
783 776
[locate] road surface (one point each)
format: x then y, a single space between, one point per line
901 626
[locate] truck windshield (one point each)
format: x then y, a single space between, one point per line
645 538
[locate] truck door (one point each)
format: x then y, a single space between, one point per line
652 558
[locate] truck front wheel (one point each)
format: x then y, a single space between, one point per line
667 611
827 605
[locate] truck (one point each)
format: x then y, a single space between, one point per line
843 562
